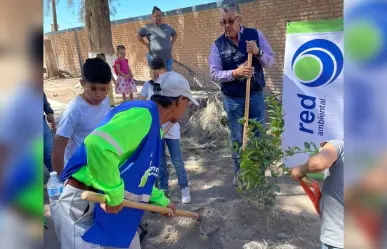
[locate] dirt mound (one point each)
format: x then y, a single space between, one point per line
242 225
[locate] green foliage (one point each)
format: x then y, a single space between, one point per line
264 154
310 148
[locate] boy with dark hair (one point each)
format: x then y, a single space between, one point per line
171 139
83 113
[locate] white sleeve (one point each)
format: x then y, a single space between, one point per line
144 90
68 121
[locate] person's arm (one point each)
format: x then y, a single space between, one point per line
69 120
216 68
58 151
317 163
103 164
103 158
49 113
158 198
144 91
141 37
267 59
174 36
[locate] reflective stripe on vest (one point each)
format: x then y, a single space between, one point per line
133 197
108 139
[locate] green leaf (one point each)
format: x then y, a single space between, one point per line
282 124
271 112
306 145
277 188
289 153
314 146
244 173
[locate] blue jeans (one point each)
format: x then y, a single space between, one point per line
325 246
168 63
235 110
177 161
48 143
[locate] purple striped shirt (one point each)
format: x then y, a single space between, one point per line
215 61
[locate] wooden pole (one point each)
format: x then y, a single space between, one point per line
99 198
247 103
167 128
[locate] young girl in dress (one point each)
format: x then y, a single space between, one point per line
125 82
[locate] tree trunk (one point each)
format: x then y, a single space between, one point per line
98 27
54 26
51 66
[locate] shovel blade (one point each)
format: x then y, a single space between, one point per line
209 220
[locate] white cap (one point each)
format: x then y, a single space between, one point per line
173 84
53 173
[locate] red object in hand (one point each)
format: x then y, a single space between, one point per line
313 196
370 222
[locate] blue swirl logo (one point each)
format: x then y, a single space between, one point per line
317 62
366 34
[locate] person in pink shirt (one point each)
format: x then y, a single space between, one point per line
125 82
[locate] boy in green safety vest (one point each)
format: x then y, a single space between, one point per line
107 148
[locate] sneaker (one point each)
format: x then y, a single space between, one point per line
185 196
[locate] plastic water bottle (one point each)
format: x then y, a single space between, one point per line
54 186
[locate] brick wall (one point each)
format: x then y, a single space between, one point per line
197 28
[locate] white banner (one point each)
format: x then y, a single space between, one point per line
313 85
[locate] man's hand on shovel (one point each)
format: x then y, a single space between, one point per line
243 71
297 172
172 207
112 209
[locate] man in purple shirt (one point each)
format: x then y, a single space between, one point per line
228 64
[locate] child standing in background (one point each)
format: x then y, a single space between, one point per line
171 138
125 82
110 93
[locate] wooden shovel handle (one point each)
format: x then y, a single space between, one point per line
99 198
167 129
247 103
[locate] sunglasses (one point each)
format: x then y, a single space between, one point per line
229 22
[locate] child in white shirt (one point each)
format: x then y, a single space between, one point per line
171 139
83 113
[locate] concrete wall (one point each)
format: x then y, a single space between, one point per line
197 28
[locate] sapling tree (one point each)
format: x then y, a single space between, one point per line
261 160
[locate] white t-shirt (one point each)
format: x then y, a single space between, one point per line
174 132
78 120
